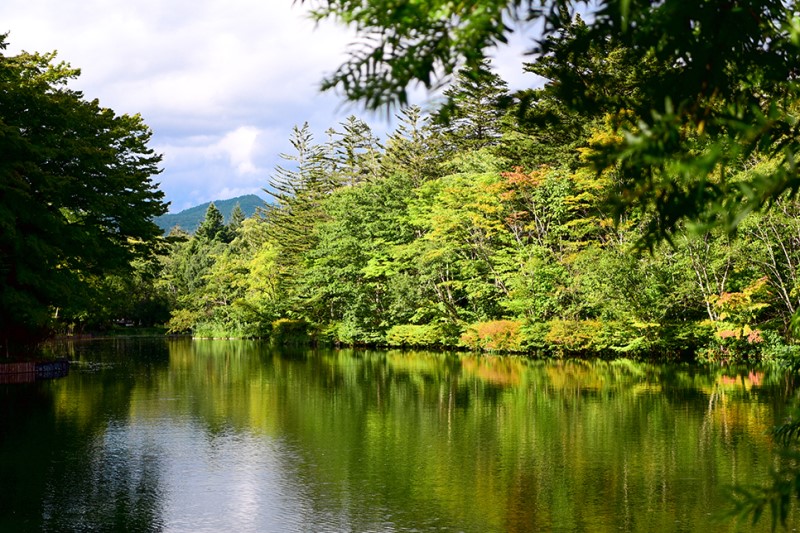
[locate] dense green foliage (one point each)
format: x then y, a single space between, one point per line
188 220
76 198
485 226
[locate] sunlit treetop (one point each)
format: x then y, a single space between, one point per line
714 82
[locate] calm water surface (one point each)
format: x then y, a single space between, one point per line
181 435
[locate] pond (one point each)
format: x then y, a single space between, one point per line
182 435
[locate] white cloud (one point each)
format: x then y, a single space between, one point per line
239 146
218 166
220 83
197 57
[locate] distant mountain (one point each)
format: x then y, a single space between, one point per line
189 219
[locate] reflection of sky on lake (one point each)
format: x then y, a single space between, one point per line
173 475
223 482
226 481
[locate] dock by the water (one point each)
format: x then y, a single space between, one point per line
29 371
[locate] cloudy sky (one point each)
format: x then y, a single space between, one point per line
221 83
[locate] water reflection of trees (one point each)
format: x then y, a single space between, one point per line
488 440
421 440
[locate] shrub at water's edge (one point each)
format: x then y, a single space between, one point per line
494 336
420 336
703 341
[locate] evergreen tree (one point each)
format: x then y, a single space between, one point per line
298 192
476 103
212 227
355 153
237 217
415 149
234 224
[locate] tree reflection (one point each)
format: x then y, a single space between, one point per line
364 440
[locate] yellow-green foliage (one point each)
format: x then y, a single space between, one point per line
287 331
182 321
410 335
738 310
575 335
494 336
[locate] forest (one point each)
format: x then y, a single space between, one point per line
577 218
487 224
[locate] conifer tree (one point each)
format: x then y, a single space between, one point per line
298 192
235 222
212 227
415 148
355 151
237 217
476 103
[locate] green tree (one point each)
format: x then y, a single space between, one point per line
235 222
137 297
461 227
476 102
237 298
212 227
352 282
355 153
415 149
298 190
76 192
771 241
